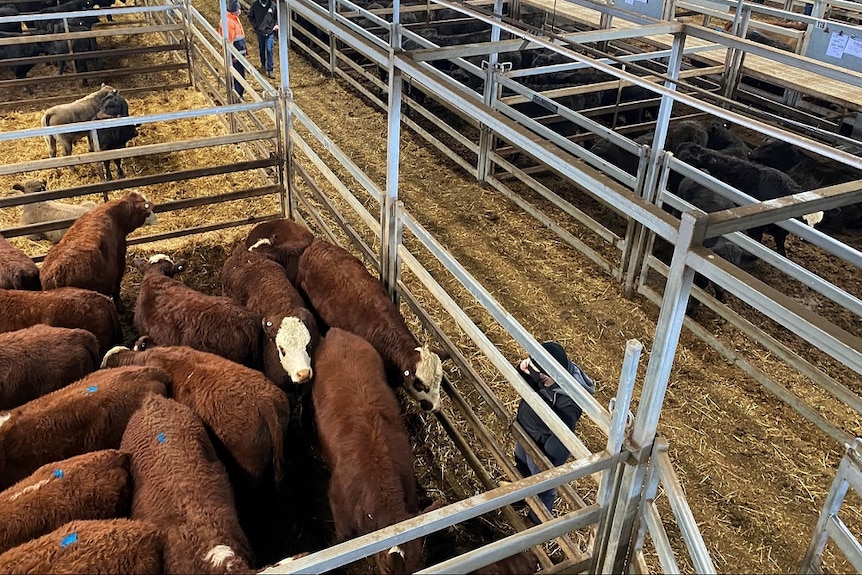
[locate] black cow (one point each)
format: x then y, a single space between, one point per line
72 6
14 27
30 50
114 106
79 46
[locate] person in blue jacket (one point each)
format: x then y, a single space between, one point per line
563 405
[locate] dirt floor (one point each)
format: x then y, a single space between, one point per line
755 472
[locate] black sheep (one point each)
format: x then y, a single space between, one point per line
761 38
29 50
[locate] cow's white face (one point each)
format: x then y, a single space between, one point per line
260 242
423 385
159 258
4 418
110 353
219 555
292 341
813 219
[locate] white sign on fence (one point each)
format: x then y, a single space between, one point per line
837 43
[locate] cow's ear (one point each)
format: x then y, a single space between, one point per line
139 264
18 187
441 353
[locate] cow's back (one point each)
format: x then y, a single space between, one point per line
181 484
246 412
345 295
62 307
173 314
361 431
94 485
112 546
87 415
87 256
40 359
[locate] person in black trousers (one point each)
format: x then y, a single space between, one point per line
263 16
236 36
561 403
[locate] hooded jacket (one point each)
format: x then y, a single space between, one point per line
263 17
563 405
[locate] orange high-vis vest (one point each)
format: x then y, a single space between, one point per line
234 29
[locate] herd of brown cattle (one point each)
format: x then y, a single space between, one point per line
114 459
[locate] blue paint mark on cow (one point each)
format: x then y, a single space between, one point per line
58 473
92 389
69 539
161 437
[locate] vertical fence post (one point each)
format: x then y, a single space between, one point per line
616 437
286 170
850 463
388 220
228 64
650 236
486 137
626 498
733 61
187 40
333 41
649 189
633 226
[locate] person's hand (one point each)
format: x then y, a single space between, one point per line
275 28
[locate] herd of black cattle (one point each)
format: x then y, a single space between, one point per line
48 27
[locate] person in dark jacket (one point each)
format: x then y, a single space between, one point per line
563 405
263 16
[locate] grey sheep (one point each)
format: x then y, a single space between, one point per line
48 211
81 110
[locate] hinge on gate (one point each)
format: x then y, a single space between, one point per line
501 67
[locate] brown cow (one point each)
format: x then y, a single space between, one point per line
92 254
345 295
246 412
94 485
365 445
171 313
181 485
63 307
289 238
40 359
17 270
88 415
252 278
113 546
